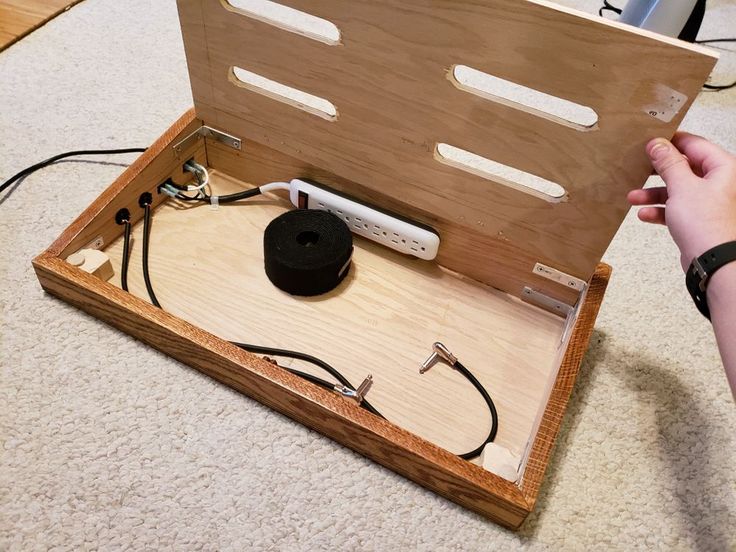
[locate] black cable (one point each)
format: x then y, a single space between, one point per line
126 256
257 349
489 402
260 350
609 7
309 377
146 244
467 374
296 355
709 40
229 198
145 202
719 86
33 168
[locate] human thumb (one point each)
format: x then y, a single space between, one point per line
669 163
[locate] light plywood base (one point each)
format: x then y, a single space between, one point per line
207 268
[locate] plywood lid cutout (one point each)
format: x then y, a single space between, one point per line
515 128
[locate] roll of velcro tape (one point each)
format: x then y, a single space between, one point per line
307 252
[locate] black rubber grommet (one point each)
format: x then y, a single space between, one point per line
122 216
145 199
307 252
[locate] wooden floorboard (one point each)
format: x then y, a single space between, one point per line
21 17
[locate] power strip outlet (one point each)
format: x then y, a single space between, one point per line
381 227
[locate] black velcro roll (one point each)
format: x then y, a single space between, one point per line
307 252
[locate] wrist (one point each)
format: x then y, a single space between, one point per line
722 286
706 243
710 279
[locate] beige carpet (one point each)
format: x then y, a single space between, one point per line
108 445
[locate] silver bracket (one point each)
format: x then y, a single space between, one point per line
560 277
546 302
208 132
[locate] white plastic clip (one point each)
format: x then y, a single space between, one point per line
214 202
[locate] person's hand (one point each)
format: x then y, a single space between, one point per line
698 203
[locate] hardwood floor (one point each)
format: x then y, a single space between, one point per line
20 17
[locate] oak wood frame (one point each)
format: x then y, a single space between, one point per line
425 463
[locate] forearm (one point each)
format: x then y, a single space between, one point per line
722 304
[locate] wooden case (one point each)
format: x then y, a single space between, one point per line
517 284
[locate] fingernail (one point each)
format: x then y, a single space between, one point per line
659 149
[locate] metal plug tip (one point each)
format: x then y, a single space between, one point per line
439 352
427 364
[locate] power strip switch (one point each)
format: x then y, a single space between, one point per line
381 227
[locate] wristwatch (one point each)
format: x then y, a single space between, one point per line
702 269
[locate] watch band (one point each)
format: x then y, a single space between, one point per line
702 269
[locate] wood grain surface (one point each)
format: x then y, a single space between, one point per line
429 465
405 296
21 17
207 268
388 78
155 165
573 351
259 164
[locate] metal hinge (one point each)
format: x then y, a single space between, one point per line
208 132
560 277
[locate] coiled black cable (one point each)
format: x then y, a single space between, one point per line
296 355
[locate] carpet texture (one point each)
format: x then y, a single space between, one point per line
107 444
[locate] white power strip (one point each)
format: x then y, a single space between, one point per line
393 232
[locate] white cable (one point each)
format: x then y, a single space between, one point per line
274 186
202 183
197 170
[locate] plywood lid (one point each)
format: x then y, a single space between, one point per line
401 102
